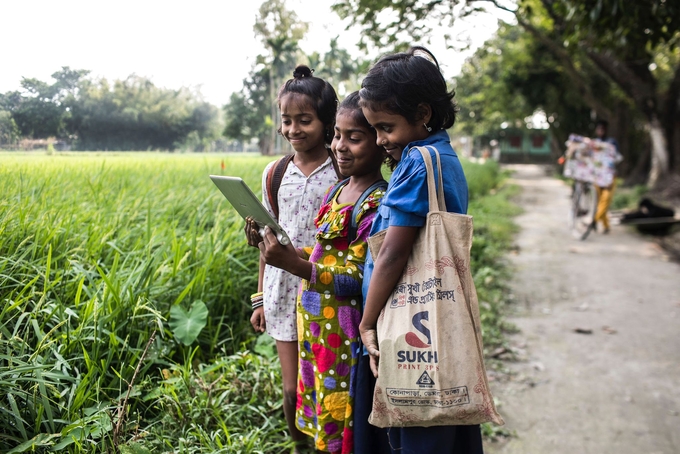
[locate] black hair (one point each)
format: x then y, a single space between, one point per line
400 82
321 93
351 104
602 122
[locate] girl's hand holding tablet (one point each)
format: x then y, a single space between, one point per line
284 257
252 232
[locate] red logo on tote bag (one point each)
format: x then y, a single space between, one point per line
412 338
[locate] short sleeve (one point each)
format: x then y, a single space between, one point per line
407 196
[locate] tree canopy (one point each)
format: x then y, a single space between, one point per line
630 45
130 114
253 113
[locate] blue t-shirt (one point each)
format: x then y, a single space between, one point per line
405 203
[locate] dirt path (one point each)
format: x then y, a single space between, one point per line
616 390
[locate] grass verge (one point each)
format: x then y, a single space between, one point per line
97 253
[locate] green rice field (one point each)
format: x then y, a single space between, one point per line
124 303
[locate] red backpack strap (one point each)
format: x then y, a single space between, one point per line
273 182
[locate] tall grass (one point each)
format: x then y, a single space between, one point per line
94 252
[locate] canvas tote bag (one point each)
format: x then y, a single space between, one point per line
431 369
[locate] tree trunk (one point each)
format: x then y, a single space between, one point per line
640 171
560 53
263 144
272 133
671 122
659 169
674 145
642 90
556 147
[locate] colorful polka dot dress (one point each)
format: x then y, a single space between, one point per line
328 314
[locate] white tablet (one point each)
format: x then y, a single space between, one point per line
248 205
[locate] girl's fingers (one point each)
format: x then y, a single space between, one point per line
252 234
373 360
369 337
265 237
269 236
276 254
269 242
258 321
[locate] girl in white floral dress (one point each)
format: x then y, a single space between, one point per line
308 106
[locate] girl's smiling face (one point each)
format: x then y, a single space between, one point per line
394 132
300 125
355 146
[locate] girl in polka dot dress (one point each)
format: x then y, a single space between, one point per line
329 301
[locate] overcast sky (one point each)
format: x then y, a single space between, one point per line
199 44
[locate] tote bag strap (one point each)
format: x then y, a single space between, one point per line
435 195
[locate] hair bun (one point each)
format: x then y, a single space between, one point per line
302 71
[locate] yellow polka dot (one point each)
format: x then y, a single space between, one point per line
359 250
336 404
330 260
300 326
326 278
328 312
320 444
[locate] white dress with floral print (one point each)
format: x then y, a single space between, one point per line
299 200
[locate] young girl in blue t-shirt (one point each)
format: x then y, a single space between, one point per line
405 98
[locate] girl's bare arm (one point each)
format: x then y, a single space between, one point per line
257 318
387 271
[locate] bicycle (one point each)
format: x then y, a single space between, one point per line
583 208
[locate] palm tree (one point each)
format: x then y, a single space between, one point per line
280 31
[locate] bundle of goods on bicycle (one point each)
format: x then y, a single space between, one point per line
590 160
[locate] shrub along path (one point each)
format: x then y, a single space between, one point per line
598 352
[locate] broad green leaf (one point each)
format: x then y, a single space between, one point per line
186 326
134 448
265 346
40 440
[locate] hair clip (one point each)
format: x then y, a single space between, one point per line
426 55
